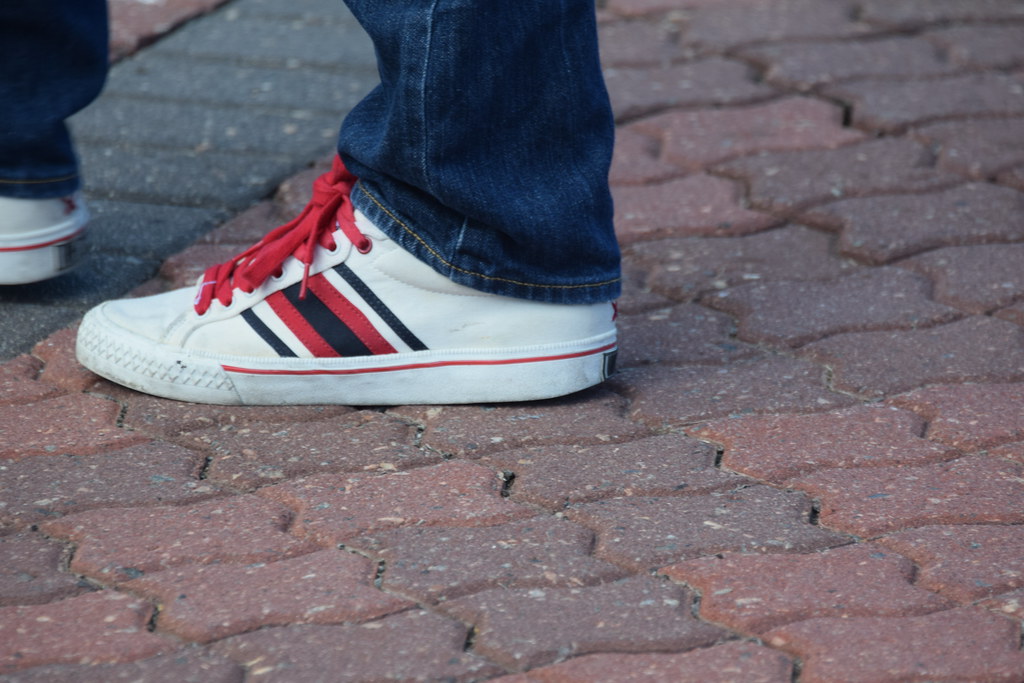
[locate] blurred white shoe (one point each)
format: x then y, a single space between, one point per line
40 238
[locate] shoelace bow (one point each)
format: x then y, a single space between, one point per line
330 207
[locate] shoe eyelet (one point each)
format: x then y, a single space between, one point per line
334 248
365 246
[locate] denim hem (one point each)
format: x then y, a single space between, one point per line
44 188
413 241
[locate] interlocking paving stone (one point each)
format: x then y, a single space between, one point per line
664 465
909 14
71 424
120 544
684 268
43 487
1013 178
30 571
588 417
667 396
210 602
637 297
796 313
789 180
977 148
166 419
186 666
276 87
637 160
134 23
1014 314
18 383
779 447
191 179
525 628
695 140
735 661
638 91
974 279
969 416
882 229
644 8
413 646
437 564
212 127
184 268
260 40
804 66
1010 450
755 593
876 364
955 645
869 502
641 43
965 563
108 627
892 106
257 454
700 205
1011 604
645 533
331 508
182 667
687 333
61 368
725 26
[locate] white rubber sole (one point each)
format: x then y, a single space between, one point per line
422 377
43 254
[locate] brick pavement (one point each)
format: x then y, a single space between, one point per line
810 468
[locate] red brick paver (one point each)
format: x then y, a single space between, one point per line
869 502
736 661
646 533
965 563
754 593
332 508
412 646
119 544
524 628
432 564
108 627
964 644
779 447
210 602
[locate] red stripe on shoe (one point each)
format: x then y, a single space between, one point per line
298 325
41 245
353 318
417 366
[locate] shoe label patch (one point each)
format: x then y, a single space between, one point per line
609 364
71 252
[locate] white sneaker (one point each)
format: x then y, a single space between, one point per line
40 238
328 309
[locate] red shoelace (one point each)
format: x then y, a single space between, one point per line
329 209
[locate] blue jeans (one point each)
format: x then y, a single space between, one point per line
484 151
53 62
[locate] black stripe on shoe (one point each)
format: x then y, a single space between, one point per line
325 323
267 335
380 308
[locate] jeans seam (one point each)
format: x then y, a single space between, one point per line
412 233
424 153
